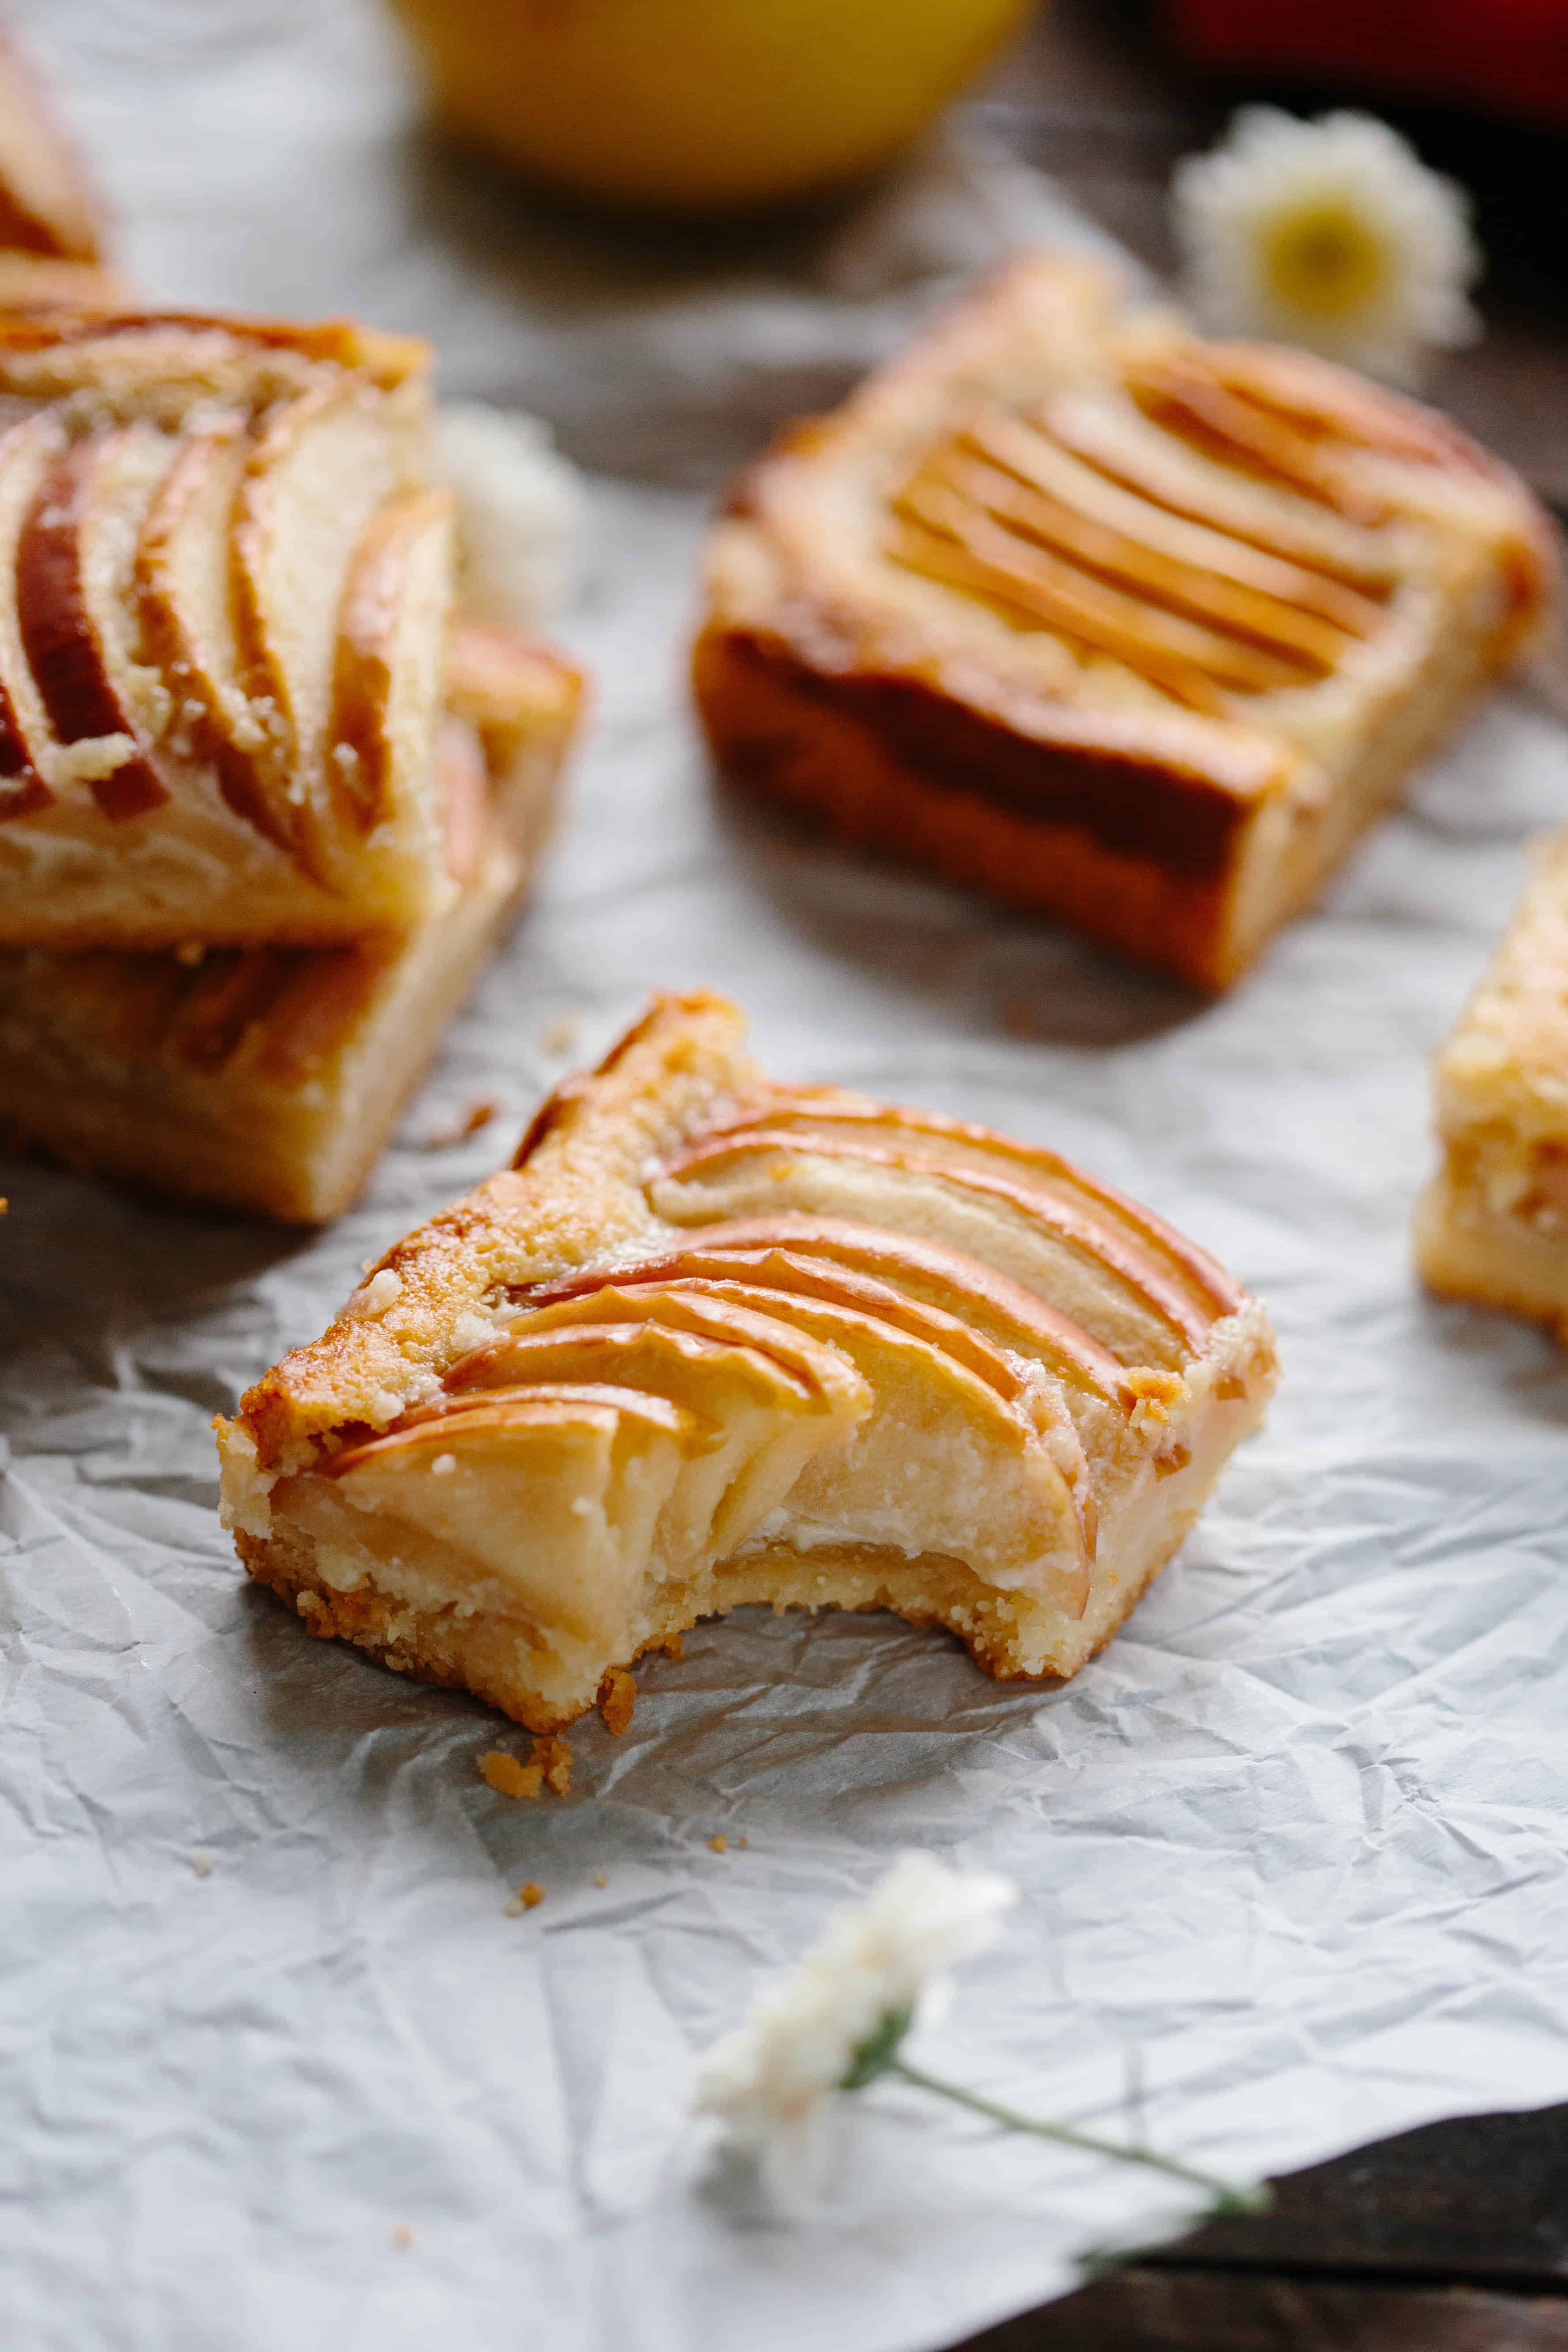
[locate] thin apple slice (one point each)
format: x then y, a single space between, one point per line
392 643
1010 1317
1115 437
162 367
941 1463
185 606
543 1503
322 467
74 561
1059 1254
1019 1385
1148 1245
767 1421
27 450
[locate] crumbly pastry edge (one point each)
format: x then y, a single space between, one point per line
565 1201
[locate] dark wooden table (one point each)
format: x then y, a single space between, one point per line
1453 2238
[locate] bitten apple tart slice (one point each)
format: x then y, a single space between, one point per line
225 578
268 1077
1493 1224
1125 626
712 1341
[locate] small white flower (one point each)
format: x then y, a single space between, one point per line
838 2020
519 513
1331 234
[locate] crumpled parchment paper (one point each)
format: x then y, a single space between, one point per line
276 2067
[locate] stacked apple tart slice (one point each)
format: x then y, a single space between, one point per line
239 735
713 1341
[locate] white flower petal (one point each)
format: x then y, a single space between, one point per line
771 2079
519 513
1401 233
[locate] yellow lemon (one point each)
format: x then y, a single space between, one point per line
699 105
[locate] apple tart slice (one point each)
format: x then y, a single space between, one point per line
267 1078
1122 625
712 1341
1493 1224
226 580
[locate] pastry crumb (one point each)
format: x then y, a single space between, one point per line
190 952
478 1114
601 1878
554 1758
673 1647
403 2237
509 1778
718 1842
549 1766
617 1697
742 1839
202 1864
560 1036
529 1896
318 1617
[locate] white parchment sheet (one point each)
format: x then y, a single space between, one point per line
1297 1838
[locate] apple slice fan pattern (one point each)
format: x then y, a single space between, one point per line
224 589
263 809
713 1341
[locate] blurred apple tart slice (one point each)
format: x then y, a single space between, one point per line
712 1341
1492 1225
1125 626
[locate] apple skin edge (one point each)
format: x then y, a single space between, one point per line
57 634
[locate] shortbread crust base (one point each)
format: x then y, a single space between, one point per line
299 1149
1013 1635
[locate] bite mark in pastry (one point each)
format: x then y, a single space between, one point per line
1118 624
713 1341
1493 1224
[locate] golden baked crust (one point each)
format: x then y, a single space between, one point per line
712 1341
224 589
1493 1225
1116 624
267 1078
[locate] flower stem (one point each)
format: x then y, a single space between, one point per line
1229 2198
